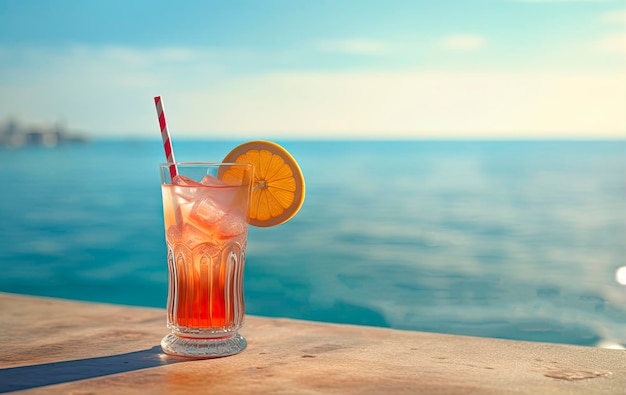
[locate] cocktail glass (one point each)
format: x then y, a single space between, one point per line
206 225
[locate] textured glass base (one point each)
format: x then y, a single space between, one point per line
203 348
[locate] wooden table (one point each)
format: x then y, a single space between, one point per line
52 346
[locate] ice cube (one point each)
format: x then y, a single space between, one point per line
208 215
210 209
179 179
212 181
194 235
232 225
206 212
187 193
188 190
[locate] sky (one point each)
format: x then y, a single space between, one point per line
392 69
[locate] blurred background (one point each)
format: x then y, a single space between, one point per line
465 160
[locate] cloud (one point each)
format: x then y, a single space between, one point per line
109 91
463 42
613 43
353 46
435 104
614 17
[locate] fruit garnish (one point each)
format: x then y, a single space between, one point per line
278 189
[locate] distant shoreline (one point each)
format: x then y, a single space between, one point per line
14 135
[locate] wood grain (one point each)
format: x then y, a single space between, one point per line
67 347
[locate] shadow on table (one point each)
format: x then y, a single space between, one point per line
25 377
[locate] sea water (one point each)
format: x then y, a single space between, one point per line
508 239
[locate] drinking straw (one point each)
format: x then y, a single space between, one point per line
165 135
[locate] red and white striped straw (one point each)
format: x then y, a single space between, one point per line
165 135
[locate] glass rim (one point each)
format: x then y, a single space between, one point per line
196 170
206 164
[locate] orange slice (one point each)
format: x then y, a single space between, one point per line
278 189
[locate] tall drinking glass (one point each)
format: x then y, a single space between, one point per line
205 209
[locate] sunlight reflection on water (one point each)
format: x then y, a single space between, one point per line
510 240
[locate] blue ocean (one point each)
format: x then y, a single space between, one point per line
508 239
